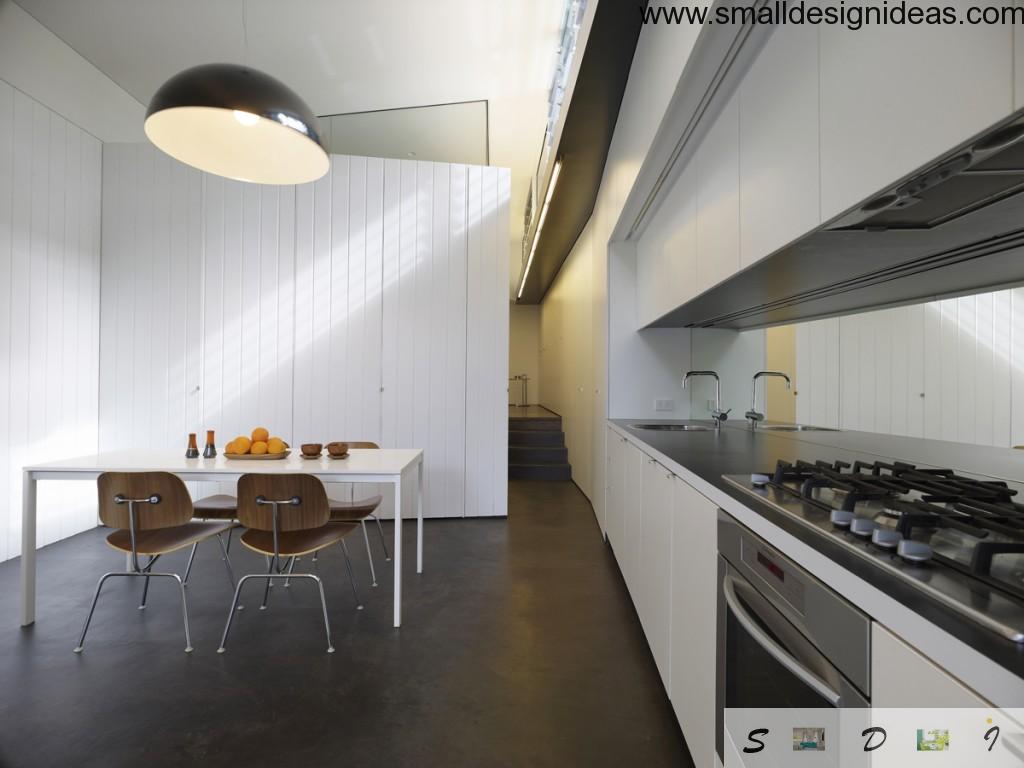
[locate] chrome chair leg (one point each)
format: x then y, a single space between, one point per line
191 559
351 575
231 610
369 554
289 570
323 604
146 574
145 586
227 561
184 608
92 608
383 539
268 577
227 550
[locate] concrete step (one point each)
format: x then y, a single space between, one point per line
535 424
517 437
539 472
534 454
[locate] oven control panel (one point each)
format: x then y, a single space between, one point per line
775 571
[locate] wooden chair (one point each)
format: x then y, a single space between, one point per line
286 516
359 511
151 513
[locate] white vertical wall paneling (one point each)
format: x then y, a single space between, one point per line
335 290
456 328
49 255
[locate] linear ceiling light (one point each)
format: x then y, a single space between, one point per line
540 223
237 122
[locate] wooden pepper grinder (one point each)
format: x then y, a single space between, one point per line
192 452
211 449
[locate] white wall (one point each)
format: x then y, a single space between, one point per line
524 351
40 64
49 309
661 355
370 305
946 370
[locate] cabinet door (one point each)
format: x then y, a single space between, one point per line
615 476
629 554
655 604
694 607
779 189
718 199
901 676
895 96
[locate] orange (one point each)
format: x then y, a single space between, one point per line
260 435
230 447
258 448
275 445
242 444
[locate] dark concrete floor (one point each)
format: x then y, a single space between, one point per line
520 647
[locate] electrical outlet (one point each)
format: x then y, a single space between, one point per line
664 405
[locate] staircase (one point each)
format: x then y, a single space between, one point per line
536 445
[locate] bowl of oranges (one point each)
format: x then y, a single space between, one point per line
259 446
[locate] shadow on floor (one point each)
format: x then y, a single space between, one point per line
520 647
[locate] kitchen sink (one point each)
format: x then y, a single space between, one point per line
674 427
795 428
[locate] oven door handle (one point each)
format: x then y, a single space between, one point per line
774 649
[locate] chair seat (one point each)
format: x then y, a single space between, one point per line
162 541
220 506
354 510
294 543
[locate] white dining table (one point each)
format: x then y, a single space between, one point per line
393 466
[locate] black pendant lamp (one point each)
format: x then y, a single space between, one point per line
237 122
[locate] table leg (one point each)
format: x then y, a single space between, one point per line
396 558
28 549
419 518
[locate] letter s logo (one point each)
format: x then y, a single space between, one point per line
753 737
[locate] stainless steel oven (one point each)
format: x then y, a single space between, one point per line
784 638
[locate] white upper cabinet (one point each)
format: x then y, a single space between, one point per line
894 97
778 144
718 199
667 252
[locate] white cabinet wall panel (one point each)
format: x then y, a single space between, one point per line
718 200
924 80
50 188
364 306
945 370
778 144
655 573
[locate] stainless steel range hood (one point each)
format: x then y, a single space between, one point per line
953 227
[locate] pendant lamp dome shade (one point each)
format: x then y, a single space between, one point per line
237 122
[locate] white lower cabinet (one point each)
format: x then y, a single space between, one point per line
694 609
615 478
901 676
655 572
628 555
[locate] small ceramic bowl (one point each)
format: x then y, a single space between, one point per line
337 449
312 449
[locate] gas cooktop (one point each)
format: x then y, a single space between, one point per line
959 539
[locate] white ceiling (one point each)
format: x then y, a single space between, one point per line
342 55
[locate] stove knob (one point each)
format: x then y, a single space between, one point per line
914 551
840 518
759 481
886 538
861 526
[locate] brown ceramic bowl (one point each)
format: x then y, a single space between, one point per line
311 449
337 449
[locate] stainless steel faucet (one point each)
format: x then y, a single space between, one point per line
717 414
752 415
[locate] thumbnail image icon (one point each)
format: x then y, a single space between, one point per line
808 739
933 740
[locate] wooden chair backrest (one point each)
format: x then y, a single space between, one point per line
357 444
312 511
174 507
